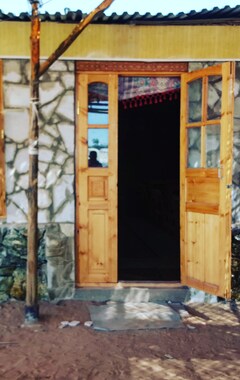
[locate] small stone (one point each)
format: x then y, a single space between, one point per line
167 356
88 323
45 155
191 327
16 122
63 324
67 134
50 91
21 163
10 150
59 66
60 157
44 198
12 71
16 96
52 175
65 108
74 323
184 313
45 140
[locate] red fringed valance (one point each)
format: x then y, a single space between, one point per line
144 100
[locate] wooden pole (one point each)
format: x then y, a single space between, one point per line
31 307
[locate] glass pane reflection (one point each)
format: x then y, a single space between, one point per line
98 147
214 103
194 148
195 101
212 146
98 103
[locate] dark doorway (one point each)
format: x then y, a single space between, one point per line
148 192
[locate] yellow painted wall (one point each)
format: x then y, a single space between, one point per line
127 42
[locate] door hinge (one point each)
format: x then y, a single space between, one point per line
2 134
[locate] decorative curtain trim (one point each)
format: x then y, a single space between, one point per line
131 87
137 91
143 100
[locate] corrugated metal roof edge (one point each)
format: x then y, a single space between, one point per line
226 15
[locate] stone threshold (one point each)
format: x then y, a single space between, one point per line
133 293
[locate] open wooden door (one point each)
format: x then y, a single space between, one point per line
97 97
206 174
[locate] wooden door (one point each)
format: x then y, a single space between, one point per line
206 174
97 97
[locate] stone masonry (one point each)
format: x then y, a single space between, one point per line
56 166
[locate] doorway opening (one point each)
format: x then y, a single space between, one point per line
148 188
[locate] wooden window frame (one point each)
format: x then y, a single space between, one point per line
2 155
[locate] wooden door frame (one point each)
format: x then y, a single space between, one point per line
125 68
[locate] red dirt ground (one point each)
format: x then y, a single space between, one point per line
207 347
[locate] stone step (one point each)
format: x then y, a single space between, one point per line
133 294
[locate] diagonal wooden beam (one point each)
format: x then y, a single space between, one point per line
72 36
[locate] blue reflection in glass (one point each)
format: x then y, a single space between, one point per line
98 147
98 103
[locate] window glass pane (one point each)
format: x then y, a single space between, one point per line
214 97
194 148
98 103
212 146
195 101
98 148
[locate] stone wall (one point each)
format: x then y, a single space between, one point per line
56 164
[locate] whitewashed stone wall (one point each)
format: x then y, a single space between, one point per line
56 162
56 142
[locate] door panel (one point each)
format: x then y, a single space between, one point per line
206 172
97 179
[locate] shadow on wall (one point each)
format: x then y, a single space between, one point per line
60 263
13 259
55 263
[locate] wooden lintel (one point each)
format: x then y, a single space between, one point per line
134 67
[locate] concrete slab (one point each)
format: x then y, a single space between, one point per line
116 316
133 294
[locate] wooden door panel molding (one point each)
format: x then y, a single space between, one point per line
97 188
205 208
202 194
97 243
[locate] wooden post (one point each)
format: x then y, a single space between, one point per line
31 307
